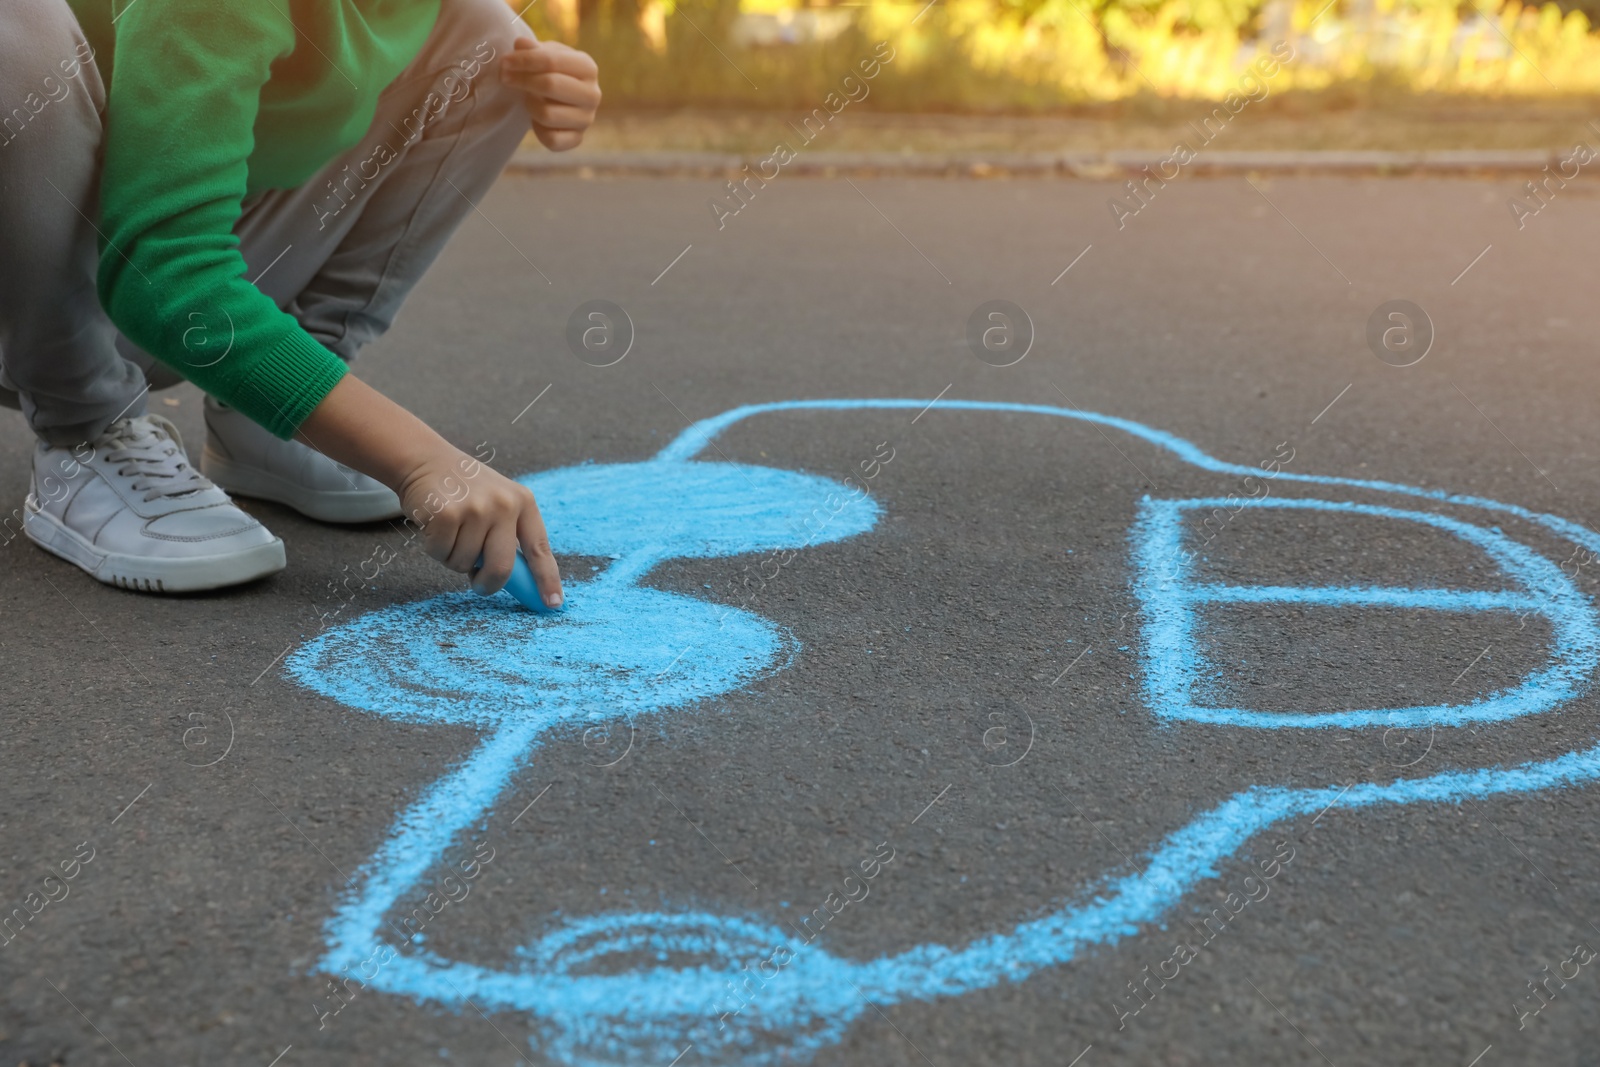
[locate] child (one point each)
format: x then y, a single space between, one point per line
242 194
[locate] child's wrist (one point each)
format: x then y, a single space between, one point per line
361 428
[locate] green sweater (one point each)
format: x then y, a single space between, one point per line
210 101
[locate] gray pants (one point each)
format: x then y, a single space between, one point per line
339 253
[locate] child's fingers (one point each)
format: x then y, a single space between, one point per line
469 544
559 116
558 140
438 535
536 549
561 89
548 57
499 553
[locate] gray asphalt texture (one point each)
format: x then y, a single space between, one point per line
1230 315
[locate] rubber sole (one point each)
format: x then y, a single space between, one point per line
191 574
339 506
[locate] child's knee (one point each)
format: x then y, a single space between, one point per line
481 28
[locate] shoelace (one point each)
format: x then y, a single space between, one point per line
148 451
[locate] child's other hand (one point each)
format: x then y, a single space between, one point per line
465 509
561 87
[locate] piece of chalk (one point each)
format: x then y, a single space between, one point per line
521 585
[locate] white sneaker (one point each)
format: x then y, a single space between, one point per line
128 508
247 460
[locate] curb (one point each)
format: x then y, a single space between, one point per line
1092 166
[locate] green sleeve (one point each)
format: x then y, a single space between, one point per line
185 90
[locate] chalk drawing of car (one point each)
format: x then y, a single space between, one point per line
622 650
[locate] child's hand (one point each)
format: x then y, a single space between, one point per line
463 506
466 509
561 87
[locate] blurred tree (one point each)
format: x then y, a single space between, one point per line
1035 55
1589 8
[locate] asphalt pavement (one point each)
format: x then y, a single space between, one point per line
1076 744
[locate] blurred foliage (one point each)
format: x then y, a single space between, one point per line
1042 55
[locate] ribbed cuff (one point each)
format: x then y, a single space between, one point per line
287 382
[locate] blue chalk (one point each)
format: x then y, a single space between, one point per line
521 584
